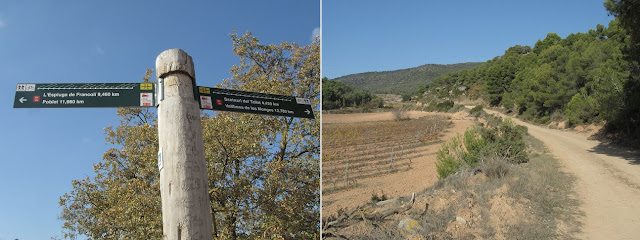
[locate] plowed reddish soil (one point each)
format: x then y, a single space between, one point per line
414 171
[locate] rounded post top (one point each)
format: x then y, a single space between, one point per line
174 60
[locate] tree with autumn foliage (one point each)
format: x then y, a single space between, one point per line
123 199
265 181
263 170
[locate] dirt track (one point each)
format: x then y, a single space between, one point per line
608 181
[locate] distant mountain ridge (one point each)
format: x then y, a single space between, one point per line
402 81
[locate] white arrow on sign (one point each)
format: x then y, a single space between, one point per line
22 100
307 111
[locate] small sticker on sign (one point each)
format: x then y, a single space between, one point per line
205 102
303 101
146 99
204 90
26 88
146 86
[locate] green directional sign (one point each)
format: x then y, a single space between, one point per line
78 95
252 102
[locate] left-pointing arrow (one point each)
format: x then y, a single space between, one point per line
22 100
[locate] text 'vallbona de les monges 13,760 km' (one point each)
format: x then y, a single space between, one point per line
78 95
252 102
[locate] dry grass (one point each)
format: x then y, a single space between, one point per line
542 199
400 115
495 200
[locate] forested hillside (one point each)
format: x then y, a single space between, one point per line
584 78
338 95
403 81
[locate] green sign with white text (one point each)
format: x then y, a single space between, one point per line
79 95
252 102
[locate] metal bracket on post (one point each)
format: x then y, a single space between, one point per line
196 93
159 91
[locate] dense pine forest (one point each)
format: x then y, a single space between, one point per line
583 78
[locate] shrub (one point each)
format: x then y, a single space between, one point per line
493 120
461 150
543 120
506 141
476 111
406 97
444 106
495 167
400 114
581 109
474 144
440 106
449 158
375 198
456 108
558 116
377 102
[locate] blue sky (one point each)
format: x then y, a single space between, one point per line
104 41
379 35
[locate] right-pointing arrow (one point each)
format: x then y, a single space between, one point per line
307 111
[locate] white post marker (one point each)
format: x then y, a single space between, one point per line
183 176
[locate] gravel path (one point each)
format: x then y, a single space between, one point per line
608 181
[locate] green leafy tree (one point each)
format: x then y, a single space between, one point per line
538 91
499 76
581 109
338 95
626 12
494 84
550 40
607 89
